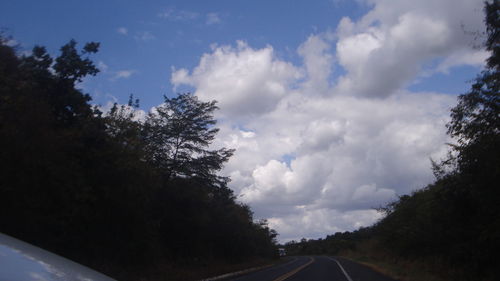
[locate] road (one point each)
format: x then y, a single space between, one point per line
316 268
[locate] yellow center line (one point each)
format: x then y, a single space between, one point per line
288 274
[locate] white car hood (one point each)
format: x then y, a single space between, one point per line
20 261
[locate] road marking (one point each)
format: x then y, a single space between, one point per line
279 265
288 274
343 270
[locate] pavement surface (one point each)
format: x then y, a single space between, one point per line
315 268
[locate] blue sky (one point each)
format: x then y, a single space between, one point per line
333 106
161 34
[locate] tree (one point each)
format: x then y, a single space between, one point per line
54 80
178 136
114 191
71 66
456 218
67 185
475 121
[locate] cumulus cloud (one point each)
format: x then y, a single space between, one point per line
317 223
318 63
245 81
395 39
464 57
316 151
340 147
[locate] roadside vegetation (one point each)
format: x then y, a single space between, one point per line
450 229
137 199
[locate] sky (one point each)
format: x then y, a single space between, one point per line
334 107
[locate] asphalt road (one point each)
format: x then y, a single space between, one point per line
315 269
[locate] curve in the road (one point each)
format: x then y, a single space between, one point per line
319 268
274 272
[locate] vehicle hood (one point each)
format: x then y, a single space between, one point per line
20 261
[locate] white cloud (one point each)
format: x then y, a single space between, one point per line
464 57
122 30
212 18
123 74
339 144
243 80
317 223
347 152
395 39
318 63
316 152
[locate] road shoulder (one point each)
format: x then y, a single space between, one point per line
235 274
362 271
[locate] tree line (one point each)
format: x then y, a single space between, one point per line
105 188
454 220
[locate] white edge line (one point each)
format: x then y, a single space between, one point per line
341 268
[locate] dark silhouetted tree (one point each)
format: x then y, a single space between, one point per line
178 134
111 190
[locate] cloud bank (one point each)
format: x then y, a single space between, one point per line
318 145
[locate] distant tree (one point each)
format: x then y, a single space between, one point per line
178 136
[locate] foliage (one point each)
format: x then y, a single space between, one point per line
109 190
330 245
178 133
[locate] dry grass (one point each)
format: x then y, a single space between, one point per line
373 255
